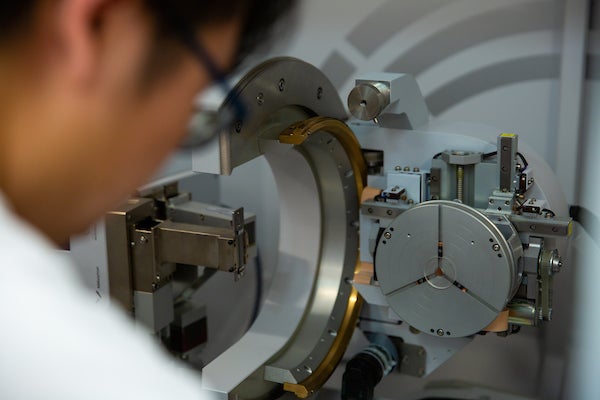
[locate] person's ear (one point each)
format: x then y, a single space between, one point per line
79 25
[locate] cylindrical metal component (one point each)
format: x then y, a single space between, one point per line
460 181
550 261
374 159
521 313
367 100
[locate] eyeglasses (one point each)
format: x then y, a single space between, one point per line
233 110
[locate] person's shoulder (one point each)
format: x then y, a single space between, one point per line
55 330
26 254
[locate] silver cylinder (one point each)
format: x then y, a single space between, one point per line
368 100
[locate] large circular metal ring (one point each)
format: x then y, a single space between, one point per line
311 308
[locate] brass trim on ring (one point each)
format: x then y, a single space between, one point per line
296 134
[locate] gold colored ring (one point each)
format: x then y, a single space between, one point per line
296 134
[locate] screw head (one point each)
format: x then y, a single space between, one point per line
387 235
238 126
440 332
319 93
260 99
496 247
397 168
281 85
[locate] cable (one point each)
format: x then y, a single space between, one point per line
490 154
259 288
525 163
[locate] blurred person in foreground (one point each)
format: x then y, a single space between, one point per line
95 94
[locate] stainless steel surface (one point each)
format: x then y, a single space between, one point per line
205 246
413 359
308 300
549 265
367 100
377 209
447 268
542 226
461 157
438 351
522 313
119 243
391 100
507 153
306 88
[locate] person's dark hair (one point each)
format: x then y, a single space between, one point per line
13 16
258 16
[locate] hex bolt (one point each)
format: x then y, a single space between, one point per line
507 203
398 168
387 235
416 169
556 266
496 247
407 169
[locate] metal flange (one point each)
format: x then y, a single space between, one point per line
311 308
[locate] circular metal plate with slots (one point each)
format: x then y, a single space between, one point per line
445 268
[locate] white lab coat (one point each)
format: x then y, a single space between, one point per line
56 343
